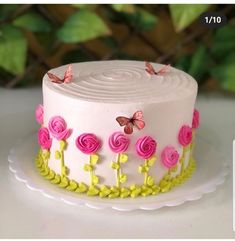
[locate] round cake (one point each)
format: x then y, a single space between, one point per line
117 128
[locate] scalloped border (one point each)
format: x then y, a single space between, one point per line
116 192
126 205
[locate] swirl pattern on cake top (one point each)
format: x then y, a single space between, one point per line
122 82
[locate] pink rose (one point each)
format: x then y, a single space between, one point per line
39 113
58 128
196 119
88 143
44 139
185 135
169 156
146 147
118 142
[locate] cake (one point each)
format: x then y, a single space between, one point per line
117 129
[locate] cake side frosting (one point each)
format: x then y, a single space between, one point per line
89 106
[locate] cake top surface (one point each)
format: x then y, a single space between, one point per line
121 81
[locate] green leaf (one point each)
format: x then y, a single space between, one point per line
46 154
150 181
123 158
125 192
88 168
33 22
104 191
122 178
94 159
198 65
141 19
56 179
82 187
57 155
143 169
115 166
82 26
73 185
93 191
6 10
64 182
183 62
13 49
151 161
95 179
63 145
223 42
128 8
184 14
65 170
85 6
225 73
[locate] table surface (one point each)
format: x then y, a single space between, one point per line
28 214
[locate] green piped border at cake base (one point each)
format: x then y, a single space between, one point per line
165 184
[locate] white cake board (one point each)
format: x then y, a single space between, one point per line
210 172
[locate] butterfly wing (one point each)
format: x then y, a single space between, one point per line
163 69
139 124
54 78
122 120
128 128
138 115
138 120
149 68
68 74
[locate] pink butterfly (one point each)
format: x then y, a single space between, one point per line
67 76
152 71
136 120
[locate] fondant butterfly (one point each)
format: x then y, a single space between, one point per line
152 71
67 76
136 120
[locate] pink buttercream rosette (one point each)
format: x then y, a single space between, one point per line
185 135
44 139
58 128
196 119
146 147
39 113
118 142
169 156
88 143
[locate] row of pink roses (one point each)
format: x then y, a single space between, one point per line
89 143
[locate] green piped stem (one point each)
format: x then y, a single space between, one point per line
62 162
183 157
65 183
91 173
146 173
118 170
192 144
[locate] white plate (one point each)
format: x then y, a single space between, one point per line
211 171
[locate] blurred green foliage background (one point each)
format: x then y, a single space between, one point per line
36 38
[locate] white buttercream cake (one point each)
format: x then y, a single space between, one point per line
117 128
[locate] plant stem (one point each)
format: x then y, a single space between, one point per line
183 157
191 145
146 173
91 173
62 162
118 170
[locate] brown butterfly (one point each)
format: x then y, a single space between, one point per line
136 120
67 76
152 71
